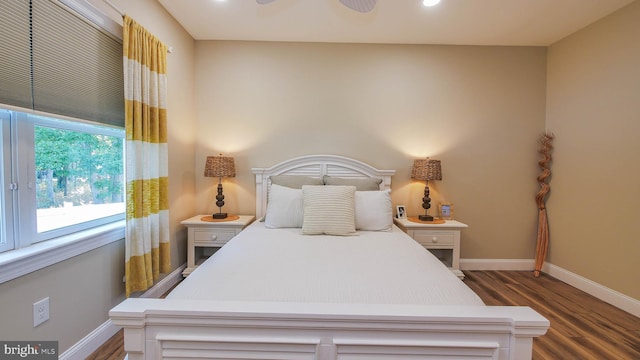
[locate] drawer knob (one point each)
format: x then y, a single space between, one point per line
434 239
214 237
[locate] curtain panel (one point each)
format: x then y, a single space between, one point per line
147 230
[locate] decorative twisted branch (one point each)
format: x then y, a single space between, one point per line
545 149
542 243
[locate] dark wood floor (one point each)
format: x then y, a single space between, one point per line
582 327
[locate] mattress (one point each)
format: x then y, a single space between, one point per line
282 265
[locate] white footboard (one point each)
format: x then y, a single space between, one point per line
179 329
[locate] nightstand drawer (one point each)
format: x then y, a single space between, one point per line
434 238
212 237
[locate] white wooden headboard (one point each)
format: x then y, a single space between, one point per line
315 166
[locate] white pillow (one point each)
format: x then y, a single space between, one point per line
284 207
328 210
373 210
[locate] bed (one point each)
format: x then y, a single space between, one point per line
276 292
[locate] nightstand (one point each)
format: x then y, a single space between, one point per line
443 240
201 234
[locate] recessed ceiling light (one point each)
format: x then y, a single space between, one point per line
430 2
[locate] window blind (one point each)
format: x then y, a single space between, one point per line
15 54
74 68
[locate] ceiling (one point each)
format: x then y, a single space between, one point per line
457 22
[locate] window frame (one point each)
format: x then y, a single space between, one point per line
25 250
38 120
16 263
7 242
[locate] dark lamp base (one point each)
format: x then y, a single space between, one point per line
425 217
219 216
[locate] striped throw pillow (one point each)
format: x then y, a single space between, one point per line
328 210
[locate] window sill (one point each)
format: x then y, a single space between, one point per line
16 263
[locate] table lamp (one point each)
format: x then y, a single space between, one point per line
219 166
426 169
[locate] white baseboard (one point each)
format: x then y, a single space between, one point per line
87 345
165 284
601 292
497 264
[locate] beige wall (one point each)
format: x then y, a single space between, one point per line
83 289
594 110
478 109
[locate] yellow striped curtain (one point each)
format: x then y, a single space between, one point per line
147 229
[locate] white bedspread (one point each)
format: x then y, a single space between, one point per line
282 265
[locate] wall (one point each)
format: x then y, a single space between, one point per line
594 111
478 109
83 289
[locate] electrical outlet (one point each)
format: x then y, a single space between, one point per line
40 311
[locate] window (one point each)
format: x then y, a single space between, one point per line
61 176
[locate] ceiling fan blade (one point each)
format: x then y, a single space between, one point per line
264 2
363 6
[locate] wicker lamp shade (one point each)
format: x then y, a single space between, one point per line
220 166
426 169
